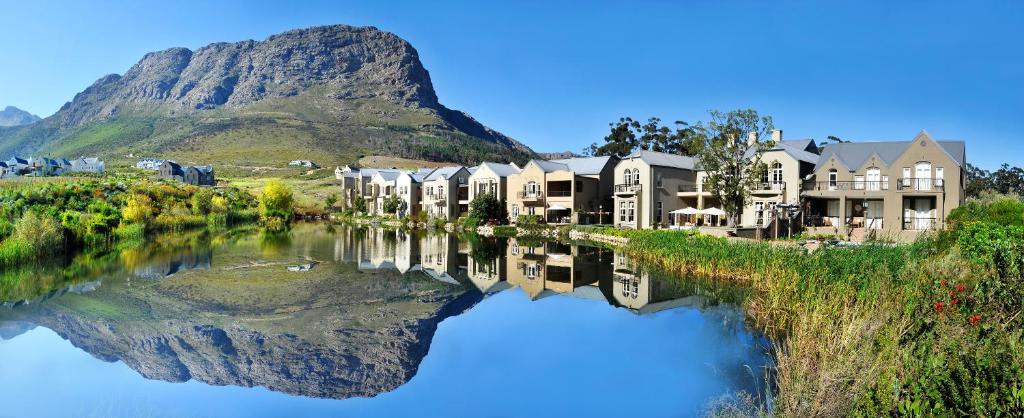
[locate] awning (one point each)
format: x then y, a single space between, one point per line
686 211
557 207
713 212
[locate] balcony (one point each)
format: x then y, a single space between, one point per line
832 186
769 188
532 196
908 184
559 193
626 188
690 188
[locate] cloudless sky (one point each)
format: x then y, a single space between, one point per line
554 74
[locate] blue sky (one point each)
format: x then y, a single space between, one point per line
554 74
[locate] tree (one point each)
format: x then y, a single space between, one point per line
391 204
485 207
276 201
358 204
834 139
1005 180
731 159
629 135
330 201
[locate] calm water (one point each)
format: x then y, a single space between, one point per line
366 323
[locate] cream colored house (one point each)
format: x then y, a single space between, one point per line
381 187
646 189
571 190
446 192
409 188
547 268
893 188
491 178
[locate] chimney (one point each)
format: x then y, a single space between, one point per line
751 138
777 135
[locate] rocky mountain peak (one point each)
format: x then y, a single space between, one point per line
12 116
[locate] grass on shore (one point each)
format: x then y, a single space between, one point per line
932 328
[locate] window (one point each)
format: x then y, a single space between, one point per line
833 179
579 186
532 188
628 177
515 211
885 182
658 212
923 173
632 212
775 174
858 182
462 180
659 180
906 176
440 190
874 179
622 211
636 176
939 174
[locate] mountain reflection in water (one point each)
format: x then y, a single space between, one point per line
222 310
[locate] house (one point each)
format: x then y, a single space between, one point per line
446 192
647 184
201 175
788 162
84 165
491 178
571 190
381 187
149 164
893 188
303 163
409 188
341 172
170 170
5 170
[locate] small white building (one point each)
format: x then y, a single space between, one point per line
149 164
86 165
303 163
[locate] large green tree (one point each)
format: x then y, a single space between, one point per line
731 158
1006 180
628 135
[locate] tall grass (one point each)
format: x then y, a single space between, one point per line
855 327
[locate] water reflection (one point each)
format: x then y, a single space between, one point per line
226 312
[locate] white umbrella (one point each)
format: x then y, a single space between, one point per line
713 212
557 207
687 211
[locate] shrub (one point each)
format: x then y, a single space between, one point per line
202 201
276 201
487 208
42 233
139 209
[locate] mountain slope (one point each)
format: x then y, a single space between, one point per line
12 116
327 93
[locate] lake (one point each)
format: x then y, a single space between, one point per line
363 322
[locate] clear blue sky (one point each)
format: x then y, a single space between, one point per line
554 75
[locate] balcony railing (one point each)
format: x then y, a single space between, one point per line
530 195
559 193
688 188
915 223
627 188
828 186
920 184
770 187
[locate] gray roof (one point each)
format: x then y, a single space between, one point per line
370 172
503 170
585 165
801 144
444 172
794 149
549 166
388 175
203 168
854 154
662 159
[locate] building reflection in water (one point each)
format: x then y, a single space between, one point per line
540 268
160 264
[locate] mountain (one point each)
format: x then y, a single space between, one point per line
12 116
329 93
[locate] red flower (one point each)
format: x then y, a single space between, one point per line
942 282
938 307
974 319
960 287
952 301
